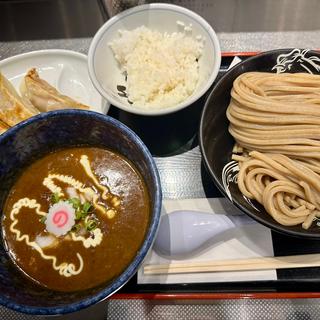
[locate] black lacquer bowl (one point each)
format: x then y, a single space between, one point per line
216 143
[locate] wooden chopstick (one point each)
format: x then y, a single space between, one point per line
263 263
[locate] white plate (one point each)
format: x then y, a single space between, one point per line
65 70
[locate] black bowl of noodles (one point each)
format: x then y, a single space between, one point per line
273 172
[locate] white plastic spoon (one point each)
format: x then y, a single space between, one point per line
183 232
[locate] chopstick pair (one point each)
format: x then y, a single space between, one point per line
262 263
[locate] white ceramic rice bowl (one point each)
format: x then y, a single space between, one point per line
104 70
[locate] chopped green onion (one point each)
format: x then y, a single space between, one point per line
78 215
83 215
55 198
76 228
76 203
86 207
91 225
43 219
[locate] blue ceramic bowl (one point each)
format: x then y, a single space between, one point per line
31 139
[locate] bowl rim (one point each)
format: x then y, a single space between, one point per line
146 7
132 268
271 225
43 52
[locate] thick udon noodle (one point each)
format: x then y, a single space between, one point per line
275 120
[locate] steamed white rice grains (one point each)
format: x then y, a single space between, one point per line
162 69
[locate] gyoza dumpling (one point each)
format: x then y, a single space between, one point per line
13 108
45 97
3 127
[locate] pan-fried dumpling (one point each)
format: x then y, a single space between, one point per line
3 127
13 108
45 97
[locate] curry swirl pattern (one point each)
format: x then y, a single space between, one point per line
65 269
80 204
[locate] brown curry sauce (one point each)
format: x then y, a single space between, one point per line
122 235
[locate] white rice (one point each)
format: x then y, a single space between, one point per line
162 69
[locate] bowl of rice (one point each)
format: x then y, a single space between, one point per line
154 59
